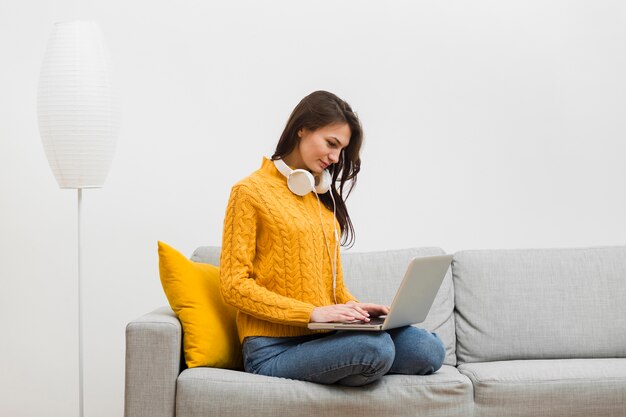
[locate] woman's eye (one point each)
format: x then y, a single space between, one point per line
331 144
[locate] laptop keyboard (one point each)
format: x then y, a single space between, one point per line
373 320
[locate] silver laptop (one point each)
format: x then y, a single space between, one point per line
413 299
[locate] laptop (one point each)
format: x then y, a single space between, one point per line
412 301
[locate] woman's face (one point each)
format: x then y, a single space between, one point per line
319 148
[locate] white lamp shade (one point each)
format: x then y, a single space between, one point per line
76 106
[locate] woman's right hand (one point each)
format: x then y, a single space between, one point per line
343 313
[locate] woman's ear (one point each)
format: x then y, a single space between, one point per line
302 131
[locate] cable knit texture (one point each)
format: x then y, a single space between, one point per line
274 265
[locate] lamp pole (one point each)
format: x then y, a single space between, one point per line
81 381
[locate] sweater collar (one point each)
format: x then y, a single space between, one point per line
267 166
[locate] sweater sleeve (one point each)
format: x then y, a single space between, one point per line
238 285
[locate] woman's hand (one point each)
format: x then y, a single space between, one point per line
345 313
342 313
374 310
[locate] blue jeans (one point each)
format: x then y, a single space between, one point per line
352 358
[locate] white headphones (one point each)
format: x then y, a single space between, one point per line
301 182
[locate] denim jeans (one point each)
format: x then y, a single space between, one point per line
352 358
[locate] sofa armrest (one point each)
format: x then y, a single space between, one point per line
153 363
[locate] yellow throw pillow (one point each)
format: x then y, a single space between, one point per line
193 291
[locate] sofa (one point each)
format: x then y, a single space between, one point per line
528 332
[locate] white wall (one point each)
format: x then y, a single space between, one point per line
489 124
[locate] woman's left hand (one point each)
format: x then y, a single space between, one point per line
374 310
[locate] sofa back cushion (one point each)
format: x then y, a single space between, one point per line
207 255
375 276
540 303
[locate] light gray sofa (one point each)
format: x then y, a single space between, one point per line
533 332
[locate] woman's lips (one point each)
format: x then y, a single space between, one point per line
324 165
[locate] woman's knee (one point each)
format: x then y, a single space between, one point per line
433 352
438 353
377 348
375 354
418 351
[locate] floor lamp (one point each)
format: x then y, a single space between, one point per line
78 122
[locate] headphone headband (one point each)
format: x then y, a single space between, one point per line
282 167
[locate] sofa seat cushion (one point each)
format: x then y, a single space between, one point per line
560 387
221 392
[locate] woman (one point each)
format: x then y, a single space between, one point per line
280 267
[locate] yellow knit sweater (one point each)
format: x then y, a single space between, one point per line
274 264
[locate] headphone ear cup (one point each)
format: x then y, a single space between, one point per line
324 182
301 182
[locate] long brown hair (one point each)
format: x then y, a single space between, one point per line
320 109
